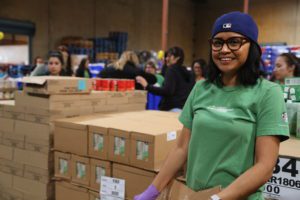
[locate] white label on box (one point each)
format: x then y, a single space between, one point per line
98 142
142 150
80 170
285 182
100 171
171 135
63 166
119 147
112 188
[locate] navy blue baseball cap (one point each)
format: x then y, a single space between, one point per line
237 22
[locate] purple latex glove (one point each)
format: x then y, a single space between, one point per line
151 193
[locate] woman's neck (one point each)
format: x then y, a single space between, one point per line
229 80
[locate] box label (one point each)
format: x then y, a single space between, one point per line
142 150
80 170
119 146
112 188
81 84
100 171
285 182
171 136
63 166
98 142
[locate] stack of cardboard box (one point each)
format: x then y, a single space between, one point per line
26 130
130 146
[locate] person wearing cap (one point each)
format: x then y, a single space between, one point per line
233 122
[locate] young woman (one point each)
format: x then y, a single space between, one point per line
286 65
177 85
55 64
232 123
83 69
199 69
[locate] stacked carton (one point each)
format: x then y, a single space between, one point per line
26 130
129 145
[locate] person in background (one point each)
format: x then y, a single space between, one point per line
286 65
199 69
67 60
127 67
37 61
177 85
83 69
233 122
151 69
55 64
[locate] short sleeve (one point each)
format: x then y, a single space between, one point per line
187 115
271 114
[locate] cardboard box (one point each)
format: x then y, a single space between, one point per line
32 158
132 176
131 107
98 141
56 85
34 130
66 191
98 168
37 174
13 140
137 96
80 170
11 167
290 148
7 193
179 191
150 146
62 165
38 145
6 152
94 195
119 145
6 179
40 119
34 188
7 125
117 98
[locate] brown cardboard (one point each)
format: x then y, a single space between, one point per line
63 165
94 195
37 174
11 167
119 145
13 140
67 191
132 176
179 191
7 125
105 108
137 96
40 119
56 85
98 142
98 168
131 107
80 169
290 148
6 152
33 130
38 145
6 179
10 193
37 159
29 186
117 98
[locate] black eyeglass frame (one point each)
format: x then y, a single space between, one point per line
243 41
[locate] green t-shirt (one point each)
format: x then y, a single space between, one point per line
224 123
160 79
86 74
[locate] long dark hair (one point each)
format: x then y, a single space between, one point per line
291 59
81 68
247 74
177 52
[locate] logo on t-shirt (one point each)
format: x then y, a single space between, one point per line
284 117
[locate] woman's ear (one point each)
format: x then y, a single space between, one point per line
292 68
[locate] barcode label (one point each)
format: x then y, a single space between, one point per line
112 188
292 81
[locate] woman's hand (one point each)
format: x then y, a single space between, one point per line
151 193
141 81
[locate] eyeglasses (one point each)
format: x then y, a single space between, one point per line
233 43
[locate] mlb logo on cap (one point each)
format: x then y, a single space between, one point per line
227 25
